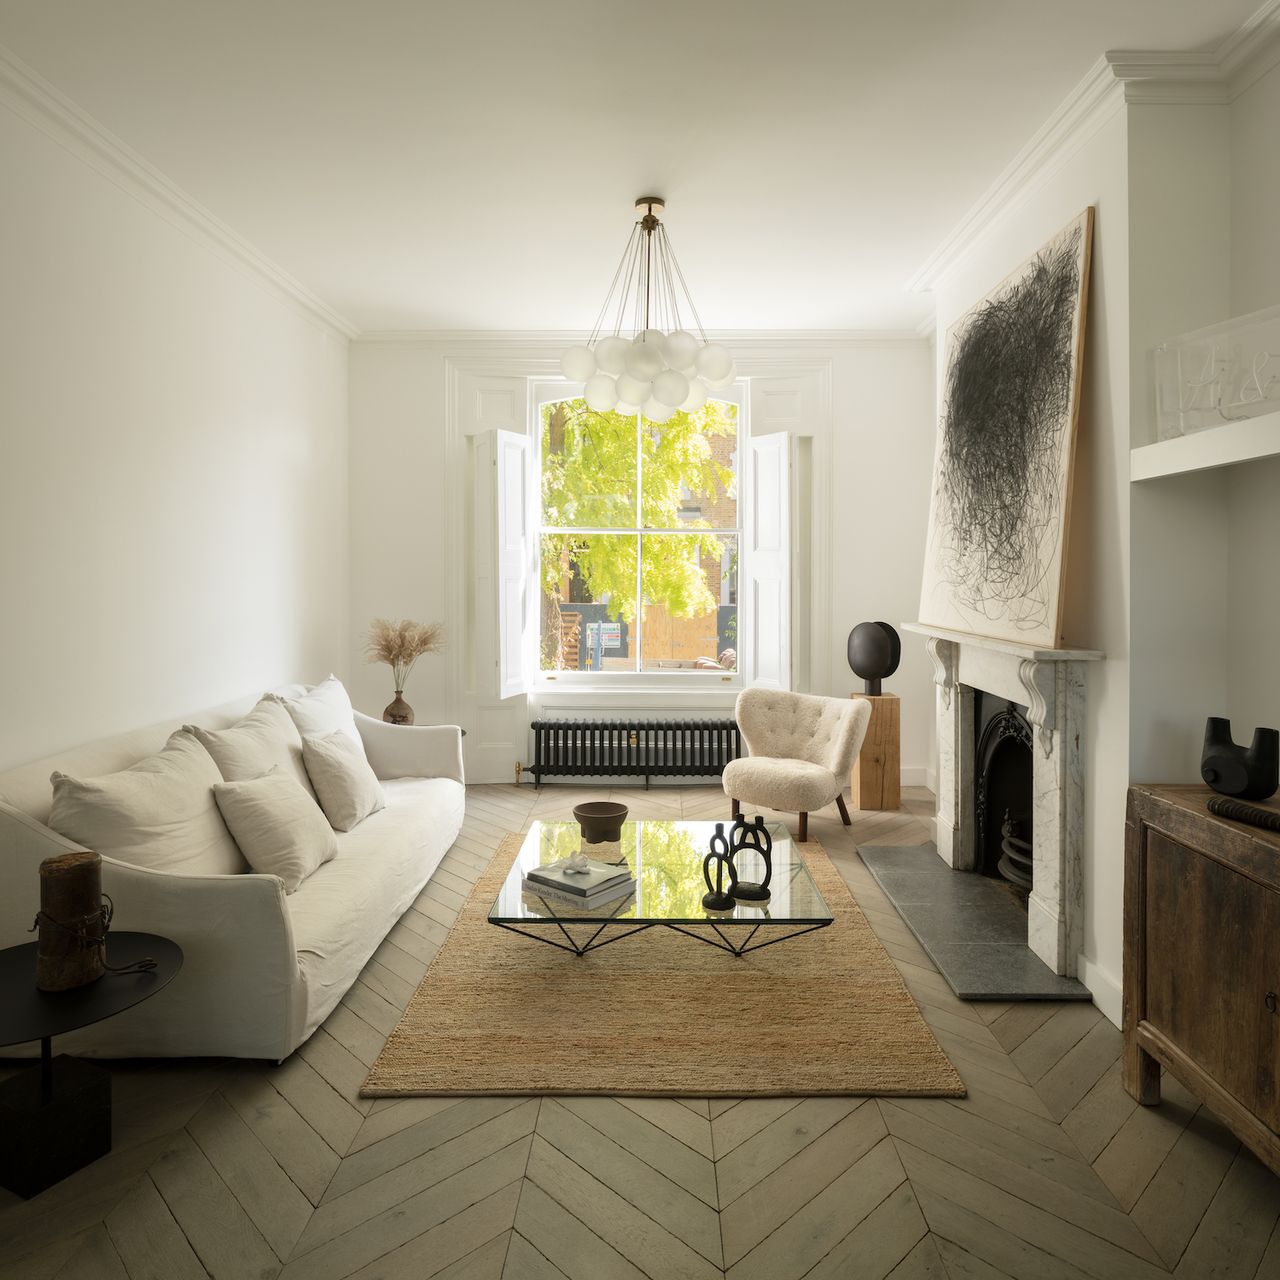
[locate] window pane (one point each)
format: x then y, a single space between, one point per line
588 602
691 602
688 479
588 467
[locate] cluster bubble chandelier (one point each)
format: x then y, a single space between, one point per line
662 369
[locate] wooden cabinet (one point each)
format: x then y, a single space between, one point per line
1202 960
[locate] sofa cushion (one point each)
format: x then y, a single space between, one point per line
278 825
380 869
253 745
159 813
322 710
345 784
794 786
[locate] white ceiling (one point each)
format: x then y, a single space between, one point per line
472 164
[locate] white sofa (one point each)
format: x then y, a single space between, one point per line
261 970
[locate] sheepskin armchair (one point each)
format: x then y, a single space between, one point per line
802 748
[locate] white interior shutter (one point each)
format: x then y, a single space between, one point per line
767 576
515 566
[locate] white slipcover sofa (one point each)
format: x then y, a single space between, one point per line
261 970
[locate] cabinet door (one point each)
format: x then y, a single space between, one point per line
1211 959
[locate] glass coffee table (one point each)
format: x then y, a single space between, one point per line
666 860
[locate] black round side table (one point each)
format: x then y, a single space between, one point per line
56 1118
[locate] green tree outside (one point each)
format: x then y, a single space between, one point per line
589 479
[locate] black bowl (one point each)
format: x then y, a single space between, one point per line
600 820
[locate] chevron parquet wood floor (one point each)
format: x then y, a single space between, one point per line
1046 1171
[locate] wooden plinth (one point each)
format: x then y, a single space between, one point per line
877 772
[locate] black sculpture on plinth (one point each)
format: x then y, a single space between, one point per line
751 835
875 649
717 896
1251 773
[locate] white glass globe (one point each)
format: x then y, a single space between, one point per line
696 398
644 361
656 339
578 364
601 392
611 354
634 391
681 349
656 412
626 409
670 388
714 362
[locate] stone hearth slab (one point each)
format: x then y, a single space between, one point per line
969 926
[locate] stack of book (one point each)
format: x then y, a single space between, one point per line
582 890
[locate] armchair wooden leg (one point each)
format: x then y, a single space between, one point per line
736 809
804 827
844 813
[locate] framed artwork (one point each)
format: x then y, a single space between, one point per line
995 559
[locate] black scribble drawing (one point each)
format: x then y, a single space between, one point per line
1001 481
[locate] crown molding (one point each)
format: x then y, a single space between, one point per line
1215 76
490 339
1252 51
25 92
1120 77
1081 114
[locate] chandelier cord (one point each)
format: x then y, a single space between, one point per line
673 300
697 319
625 292
604 307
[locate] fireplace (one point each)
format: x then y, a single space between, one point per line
1002 802
1036 699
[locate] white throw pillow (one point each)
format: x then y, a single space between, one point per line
322 710
266 737
278 826
159 813
348 790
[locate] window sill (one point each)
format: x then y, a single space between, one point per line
696 696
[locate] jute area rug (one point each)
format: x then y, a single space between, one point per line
662 1015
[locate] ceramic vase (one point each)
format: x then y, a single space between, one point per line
398 711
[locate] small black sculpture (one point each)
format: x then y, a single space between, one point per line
1248 774
717 897
875 649
752 835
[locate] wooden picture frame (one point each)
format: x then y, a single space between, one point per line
996 553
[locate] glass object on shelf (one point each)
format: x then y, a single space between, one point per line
1226 372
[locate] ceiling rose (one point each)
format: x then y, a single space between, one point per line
646 361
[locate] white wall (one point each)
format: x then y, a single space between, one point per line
173 513
398 485
1253 492
1180 275
881 451
882 463
1096 608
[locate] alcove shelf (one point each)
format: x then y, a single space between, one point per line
1224 446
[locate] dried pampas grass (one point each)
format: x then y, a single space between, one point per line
400 643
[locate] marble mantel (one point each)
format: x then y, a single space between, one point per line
1050 683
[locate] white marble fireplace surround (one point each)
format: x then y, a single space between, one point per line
1050 684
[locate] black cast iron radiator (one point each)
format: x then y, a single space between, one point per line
635 748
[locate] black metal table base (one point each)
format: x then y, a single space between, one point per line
720 941
54 1119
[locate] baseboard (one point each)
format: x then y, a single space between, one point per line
1107 993
915 775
